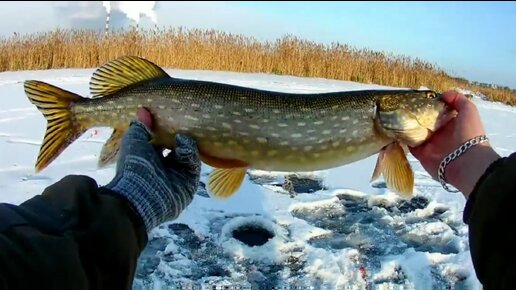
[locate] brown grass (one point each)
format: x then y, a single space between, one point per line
215 50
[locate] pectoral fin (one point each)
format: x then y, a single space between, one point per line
378 169
393 164
110 149
224 182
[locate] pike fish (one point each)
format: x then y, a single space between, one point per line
239 128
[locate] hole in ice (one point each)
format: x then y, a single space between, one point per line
252 235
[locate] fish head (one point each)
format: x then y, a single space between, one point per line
412 116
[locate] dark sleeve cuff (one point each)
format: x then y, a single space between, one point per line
473 196
134 216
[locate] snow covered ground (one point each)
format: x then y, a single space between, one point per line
338 230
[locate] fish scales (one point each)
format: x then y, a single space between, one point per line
269 130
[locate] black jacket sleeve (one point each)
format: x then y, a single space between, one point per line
74 235
490 213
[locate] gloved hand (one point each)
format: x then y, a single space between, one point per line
158 187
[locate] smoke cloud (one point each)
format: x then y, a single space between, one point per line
93 14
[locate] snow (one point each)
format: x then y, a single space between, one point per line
350 232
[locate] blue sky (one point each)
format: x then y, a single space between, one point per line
475 40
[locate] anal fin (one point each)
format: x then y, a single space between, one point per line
110 149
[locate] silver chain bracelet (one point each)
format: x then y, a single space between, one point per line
452 156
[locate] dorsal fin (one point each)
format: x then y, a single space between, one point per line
122 72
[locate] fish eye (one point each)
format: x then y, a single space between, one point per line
430 95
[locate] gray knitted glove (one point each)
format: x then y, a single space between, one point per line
158 187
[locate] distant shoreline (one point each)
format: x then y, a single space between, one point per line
195 49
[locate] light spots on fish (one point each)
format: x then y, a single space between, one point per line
114 114
243 133
99 107
236 113
355 121
348 139
334 118
161 107
199 134
284 143
248 110
334 107
261 139
276 111
355 133
149 100
342 131
345 118
237 121
316 155
265 120
326 132
175 101
308 148
335 143
194 105
191 118
129 99
276 135
111 102
301 124
324 147
336 125
282 125
217 107
296 135
318 122
226 125
206 116
211 129
312 138
310 131
170 118
254 126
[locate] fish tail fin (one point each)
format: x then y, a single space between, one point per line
55 104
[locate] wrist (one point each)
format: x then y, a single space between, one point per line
464 172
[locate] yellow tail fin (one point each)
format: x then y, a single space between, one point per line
55 104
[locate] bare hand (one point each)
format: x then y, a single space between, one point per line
464 171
